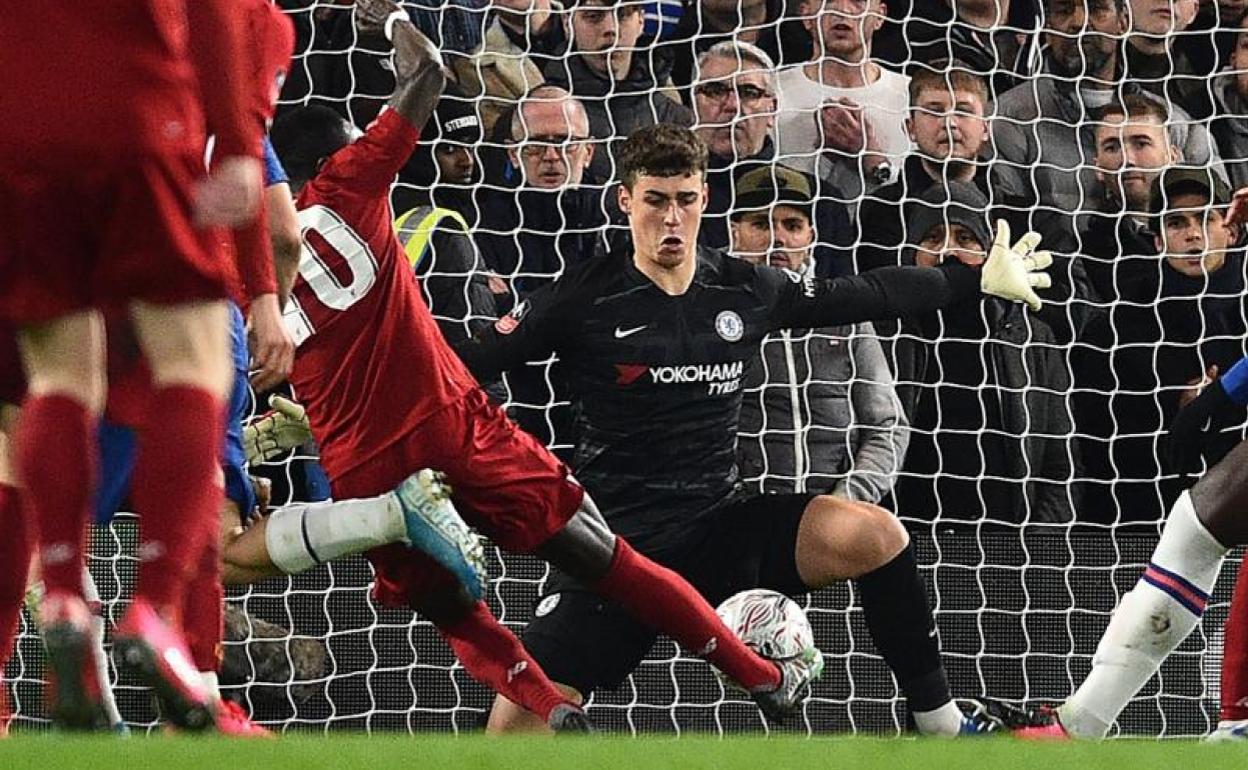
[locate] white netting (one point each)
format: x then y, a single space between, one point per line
1015 425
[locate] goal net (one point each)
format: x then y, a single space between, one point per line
968 412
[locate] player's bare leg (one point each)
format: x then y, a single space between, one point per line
840 539
188 351
1163 607
16 547
418 513
55 454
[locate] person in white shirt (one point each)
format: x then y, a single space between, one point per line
841 116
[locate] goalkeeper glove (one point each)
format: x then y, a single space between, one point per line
1218 402
1015 272
278 431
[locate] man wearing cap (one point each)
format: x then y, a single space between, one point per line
445 169
831 386
656 341
434 198
1185 322
984 386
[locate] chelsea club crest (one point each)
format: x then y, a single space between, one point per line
729 325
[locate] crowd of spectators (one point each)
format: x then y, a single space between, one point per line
853 135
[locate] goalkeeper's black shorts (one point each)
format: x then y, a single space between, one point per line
586 642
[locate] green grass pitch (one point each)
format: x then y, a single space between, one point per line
441 752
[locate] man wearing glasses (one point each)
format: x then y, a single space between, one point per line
735 104
530 235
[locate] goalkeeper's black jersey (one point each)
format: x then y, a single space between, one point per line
656 379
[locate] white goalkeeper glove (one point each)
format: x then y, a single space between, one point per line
280 430
1015 272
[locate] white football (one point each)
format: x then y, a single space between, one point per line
773 625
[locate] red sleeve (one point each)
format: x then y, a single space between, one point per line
253 252
367 167
219 55
271 38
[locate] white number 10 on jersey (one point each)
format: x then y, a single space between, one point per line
330 249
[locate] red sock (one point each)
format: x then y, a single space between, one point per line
1235 653
56 459
16 544
177 490
203 611
495 658
665 601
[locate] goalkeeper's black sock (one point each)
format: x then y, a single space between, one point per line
894 600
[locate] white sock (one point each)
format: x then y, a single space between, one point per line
1150 622
300 537
92 595
945 721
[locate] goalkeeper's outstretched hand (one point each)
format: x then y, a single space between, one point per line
1014 272
275 432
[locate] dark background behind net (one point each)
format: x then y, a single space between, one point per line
1018 620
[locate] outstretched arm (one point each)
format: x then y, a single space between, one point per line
1012 272
418 69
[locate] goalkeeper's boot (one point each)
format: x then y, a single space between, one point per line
1229 731
435 528
570 719
233 721
979 717
74 694
796 674
157 654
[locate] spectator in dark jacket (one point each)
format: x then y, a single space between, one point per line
985 386
608 71
528 235
1132 148
1163 68
991 37
1230 122
1144 356
949 128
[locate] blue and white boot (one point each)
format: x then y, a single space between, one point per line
435 528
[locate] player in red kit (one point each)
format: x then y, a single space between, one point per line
386 396
105 205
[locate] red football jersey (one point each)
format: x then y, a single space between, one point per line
105 77
371 363
273 36
270 39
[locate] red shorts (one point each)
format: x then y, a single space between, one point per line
12 375
506 485
78 235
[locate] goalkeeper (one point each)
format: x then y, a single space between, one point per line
655 344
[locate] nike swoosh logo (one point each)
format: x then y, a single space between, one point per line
622 333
